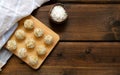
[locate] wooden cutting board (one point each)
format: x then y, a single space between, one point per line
39 41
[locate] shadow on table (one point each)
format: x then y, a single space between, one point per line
58 27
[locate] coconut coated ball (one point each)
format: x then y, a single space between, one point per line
11 45
30 43
41 50
38 32
48 39
58 14
20 34
33 60
22 52
28 24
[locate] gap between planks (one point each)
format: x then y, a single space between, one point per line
89 1
79 67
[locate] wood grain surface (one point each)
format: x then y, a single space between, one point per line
73 58
89 44
86 22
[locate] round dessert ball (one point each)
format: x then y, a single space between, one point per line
28 24
41 50
30 43
58 14
38 32
48 39
22 52
11 45
20 34
33 60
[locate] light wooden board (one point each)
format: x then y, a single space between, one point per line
39 41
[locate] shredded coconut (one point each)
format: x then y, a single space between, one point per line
58 13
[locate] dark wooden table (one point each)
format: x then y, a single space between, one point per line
89 43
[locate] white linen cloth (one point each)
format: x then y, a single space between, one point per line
4 53
11 11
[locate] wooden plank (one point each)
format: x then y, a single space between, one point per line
86 22
97 54
54 70
73 58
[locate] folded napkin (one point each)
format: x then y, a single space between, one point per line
11 11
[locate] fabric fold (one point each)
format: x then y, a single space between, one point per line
4 53
14 10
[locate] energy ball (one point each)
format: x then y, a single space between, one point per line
28 24
48 39
20 34
33 60
11 45
22 52
30 43
41 50
38 32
